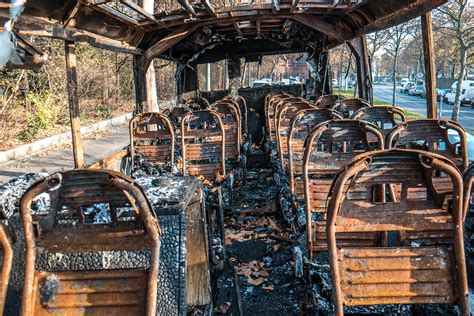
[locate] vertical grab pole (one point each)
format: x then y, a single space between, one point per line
430 70
71 70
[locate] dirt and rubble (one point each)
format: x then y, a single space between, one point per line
260 276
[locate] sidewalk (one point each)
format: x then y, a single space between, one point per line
60 158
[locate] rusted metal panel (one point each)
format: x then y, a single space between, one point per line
347 107
329 146
400 272
151 139
70 225
203 145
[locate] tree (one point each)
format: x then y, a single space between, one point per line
397 37
458 18
375 42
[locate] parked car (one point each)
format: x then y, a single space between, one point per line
417 89
467 93
260 83
334 83
406 87
404 81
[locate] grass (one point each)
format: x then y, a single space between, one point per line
350 94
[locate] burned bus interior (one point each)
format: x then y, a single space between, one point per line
273 200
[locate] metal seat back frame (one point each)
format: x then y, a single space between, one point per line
202 102
282 123
431 135
230 118
157 129
203 142
300 127
385 117
347 107
395 274
328 100
329 146
68 227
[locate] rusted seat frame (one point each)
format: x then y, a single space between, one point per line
270 112
143 211
366 114
285 114
175 118
270 98
328 100
338 194
224 108
394 137
294 128
197 100
344 106
311 142
184 135
235 106
242 104
133 125
7 259
273 116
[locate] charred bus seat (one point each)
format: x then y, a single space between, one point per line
329 147
282 123
152 140
203 145
230 117
243 111
176 114
89 213
271 112
300 127
444 137
197 103
328 100
397 272
274 111
385 117
347 107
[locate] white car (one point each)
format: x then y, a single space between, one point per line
467 93
404 81
334 83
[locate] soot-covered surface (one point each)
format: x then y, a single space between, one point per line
260 250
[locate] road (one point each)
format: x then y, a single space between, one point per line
418 105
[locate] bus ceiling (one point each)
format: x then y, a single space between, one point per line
200 33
